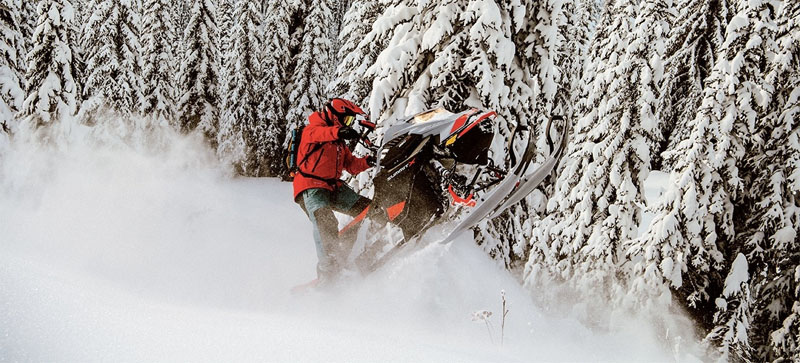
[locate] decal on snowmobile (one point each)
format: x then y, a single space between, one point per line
395 174
457 200
462 121
483 117
395 210
360 217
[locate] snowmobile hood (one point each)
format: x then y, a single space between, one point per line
436 122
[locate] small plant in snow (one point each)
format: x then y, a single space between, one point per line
503 317
484 316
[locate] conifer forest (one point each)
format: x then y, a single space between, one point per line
705 92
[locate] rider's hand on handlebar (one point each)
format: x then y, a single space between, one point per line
371 160
346 133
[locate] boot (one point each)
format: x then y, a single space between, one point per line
328 271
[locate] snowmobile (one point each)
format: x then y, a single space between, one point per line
436 166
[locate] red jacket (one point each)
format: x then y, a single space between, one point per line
322 157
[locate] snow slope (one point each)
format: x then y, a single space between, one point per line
118 253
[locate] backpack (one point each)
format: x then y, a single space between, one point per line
291 158
291 150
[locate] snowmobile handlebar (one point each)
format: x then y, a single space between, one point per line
364 141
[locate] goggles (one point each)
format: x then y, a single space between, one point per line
360 120
349 120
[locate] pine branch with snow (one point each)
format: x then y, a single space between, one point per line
110 40
275 61
224 56
773 206
12 64
691 51
359 48
240 123
734 314
28 22
158 51
199 97
310 76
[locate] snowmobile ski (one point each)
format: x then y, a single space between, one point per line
514 187
303 288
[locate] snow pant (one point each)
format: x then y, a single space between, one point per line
319 205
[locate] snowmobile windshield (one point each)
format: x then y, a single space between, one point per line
433 115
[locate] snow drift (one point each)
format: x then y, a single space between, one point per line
150 251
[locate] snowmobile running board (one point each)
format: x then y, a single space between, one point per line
516 186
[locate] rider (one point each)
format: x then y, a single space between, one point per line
322 155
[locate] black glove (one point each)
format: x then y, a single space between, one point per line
371 160
346 133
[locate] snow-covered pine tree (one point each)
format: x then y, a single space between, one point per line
554 36
691 244
158 39
28 21
578 30
297 13
23 30
582 15
181 14
596 206
110 41
338 10
81 10
225 60
773 206
197 78
542 28
691 51
51 91
359 47
12 69
225 56
734 313
239 126
542 43
748 47
786 341
275 61
311 67
82 13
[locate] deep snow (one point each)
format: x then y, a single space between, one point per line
118 253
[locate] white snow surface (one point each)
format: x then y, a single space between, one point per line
119 253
